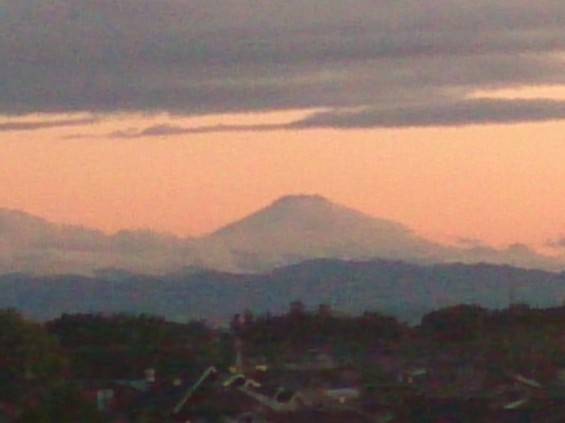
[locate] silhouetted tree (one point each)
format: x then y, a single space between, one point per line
28 356
122 346
455 324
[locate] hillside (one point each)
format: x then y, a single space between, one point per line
397 288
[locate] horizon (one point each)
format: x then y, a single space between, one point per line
462 242
273 203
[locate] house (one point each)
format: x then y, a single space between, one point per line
343 395
278 400
314 361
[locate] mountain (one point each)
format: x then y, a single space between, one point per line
296 228
303 227
290 230
34 245
405 290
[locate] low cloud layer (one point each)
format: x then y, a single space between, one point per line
556 243
403 63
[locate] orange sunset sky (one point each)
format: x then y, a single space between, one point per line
454 140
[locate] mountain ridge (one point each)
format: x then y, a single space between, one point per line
404 290
291 229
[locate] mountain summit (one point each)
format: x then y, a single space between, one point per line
301 227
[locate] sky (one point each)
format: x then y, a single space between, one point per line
183 115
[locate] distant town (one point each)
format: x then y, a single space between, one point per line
462 363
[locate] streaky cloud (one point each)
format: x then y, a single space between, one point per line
448 113
170 130
45 124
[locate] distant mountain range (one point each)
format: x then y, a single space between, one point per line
290 230
404 290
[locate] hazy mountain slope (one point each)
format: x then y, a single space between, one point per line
34 245
302 227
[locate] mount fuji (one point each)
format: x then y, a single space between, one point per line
296 228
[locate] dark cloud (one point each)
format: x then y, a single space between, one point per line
45 124
202 56
467 112
448 113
